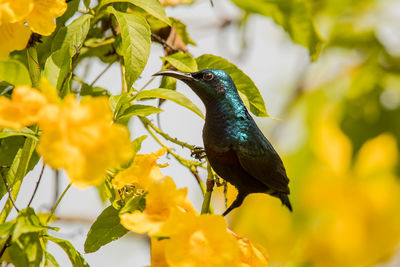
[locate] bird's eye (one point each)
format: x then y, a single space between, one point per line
208 76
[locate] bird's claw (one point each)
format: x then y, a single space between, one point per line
198 153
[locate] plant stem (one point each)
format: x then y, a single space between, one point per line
124 84
183 161
37 185
166 136
206 207
8 190
57 203
101 74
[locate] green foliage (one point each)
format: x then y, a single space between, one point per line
24 132
14 72
65 45
74 256
174 96
104 230
50 261
138 110
245 86
135 43
153 7
134 203
292 15
27 251
182 61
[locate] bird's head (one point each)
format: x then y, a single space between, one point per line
208 84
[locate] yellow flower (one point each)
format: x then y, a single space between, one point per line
199 241
41 19
81 138
142 173
157 252
14 36
163 197
14 10
23 109
250 255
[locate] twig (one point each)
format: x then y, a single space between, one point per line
183 161
100 74
6 245
165 44
206 207
212 3
58 202
146 84
8 189
37 185
74 64
124 84
166 136
193 170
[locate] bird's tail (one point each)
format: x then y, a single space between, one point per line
285 200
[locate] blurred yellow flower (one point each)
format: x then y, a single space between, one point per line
143 172
81 138
23 109
15 36
163 197
14 10
250 255
41 19
199 240
157 252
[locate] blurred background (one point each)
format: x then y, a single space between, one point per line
337 129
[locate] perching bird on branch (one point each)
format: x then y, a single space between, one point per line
235 147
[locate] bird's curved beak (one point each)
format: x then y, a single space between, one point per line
178 75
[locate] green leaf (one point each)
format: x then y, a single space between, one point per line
174 96
49 260
73 6
153 7
118 103
27 222
292 15
6 228
138 110
135 43
74 256
14 72
24 132
182 61
168 82
93 91
27 251
105 229
58 65
181 31
137 143
244 84
135 203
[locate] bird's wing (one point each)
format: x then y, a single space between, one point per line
263 163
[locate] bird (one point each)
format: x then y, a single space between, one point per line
236 148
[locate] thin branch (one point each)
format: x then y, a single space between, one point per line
146 84
8 189
206 207
165 44
100 74
57 203
183 161
196 175
124 84
166 136
6 245
37 185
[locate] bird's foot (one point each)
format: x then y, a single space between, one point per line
198 153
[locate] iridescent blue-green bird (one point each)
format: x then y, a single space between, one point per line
235 147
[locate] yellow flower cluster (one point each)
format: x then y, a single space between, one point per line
39 14
78 137
187 238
